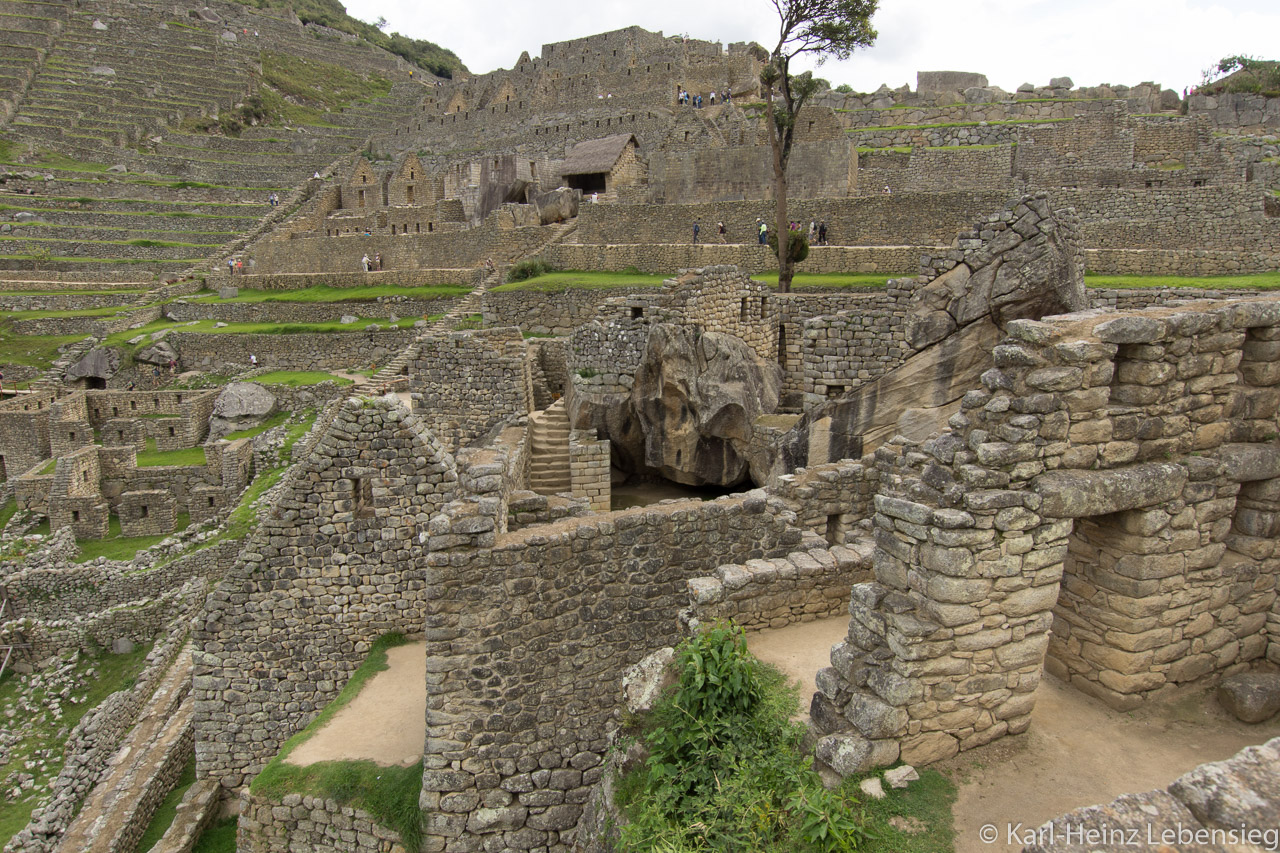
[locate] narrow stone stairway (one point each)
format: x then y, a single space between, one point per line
142 772
549 450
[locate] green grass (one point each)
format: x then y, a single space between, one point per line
928 801
121 339
390 794
804 280
163 817
220 837
151 457
40 732
1258 281
49 467
558 282
324 293
32 350
7 511
117 547
299 378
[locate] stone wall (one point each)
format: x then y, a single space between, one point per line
339 562
589 469
212 353
1111 480
767 594
307 312
664 258
467 383
1253 113
514 773
312 823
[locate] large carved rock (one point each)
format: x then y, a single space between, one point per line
241 405
696 396
98 363
160 354
558 205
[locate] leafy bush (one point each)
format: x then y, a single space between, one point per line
726 770
531 268
797 245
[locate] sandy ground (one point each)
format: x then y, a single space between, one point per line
386 723
1078 752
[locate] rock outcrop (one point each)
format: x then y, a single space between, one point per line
98 363
696 396
241 405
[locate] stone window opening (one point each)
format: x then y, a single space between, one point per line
835 529
408 192
120 434
834 391
360 199
133 405
3 476
362 496
143 511
679 455
393 230
84 476
636 312
210 500
364 179
115 411
744 313
172 432
75 516
155 401
72 435
782 344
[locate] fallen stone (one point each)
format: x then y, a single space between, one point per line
118 169
98 25
849 754
644 682
348 319
229 36
1252 697
899 777
228 292
102 70
872 788
241 405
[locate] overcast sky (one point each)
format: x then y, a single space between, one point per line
1011 41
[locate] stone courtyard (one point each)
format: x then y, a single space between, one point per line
986 482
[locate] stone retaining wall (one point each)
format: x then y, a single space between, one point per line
220 353
315 824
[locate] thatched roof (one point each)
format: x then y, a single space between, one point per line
595 155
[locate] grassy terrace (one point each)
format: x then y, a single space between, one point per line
324 293
298 379
117 547
41 735
120 339
152 458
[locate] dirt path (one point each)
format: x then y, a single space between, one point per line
386 723
1078 752
800 650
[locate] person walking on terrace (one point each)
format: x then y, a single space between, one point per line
696 229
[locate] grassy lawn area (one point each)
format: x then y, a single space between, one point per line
117 547
121 339
388 793
324 293
41 734
299 378
835 280
220 837
38 351
163 817
558 282
1257 281
7 511
151 457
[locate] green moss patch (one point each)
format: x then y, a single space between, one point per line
299 378
151 457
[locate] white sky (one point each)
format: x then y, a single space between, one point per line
1011 41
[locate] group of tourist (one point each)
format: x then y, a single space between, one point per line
371 264
685 99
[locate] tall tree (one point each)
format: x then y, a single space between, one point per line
821 28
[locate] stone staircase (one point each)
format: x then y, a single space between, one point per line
142 772
549 450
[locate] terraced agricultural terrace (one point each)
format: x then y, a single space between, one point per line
315 364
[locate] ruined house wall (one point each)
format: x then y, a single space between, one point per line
524 663
339 562
1145 425
467 383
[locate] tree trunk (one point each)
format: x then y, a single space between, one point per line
785 267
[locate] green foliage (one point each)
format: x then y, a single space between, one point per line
558 282
844 89
797 245
1244 75
726 769
7 511
332 14
527 269
117 547
151 457
163 816
220 837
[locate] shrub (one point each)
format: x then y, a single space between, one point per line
527 269
726 770
797 245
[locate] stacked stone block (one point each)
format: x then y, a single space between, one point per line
589 469
1097 454
338 562
146 513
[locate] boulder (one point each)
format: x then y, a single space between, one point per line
97 363
979 95
1061 83
102 70
1252 697
241 405
25 216
228 292
159 354
229 36
558 205
696 396
98 25
644 682
118 169
900 777
348 319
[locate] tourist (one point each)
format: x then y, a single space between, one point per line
253 361
231 266
822 233
364 263
1 384
712 97
240 266
696 229
173 367
720 230
813 231
377 260
764 233
887 191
